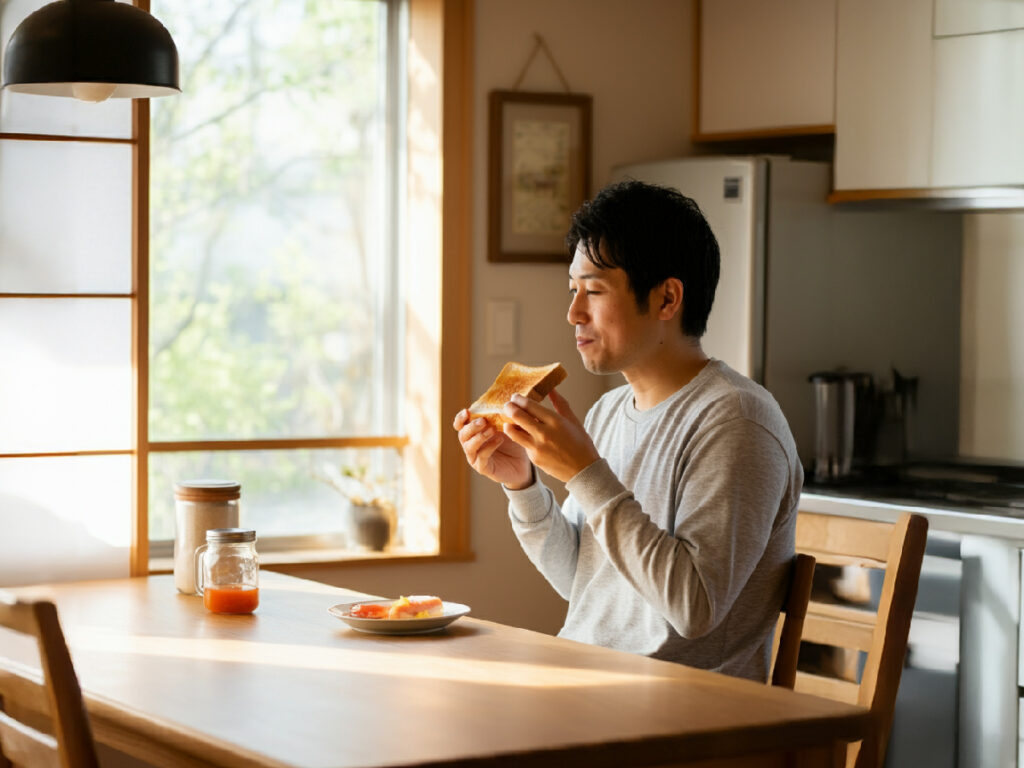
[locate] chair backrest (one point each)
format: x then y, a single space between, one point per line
898 549
790 627
42 722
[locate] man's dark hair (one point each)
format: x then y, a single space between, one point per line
652 233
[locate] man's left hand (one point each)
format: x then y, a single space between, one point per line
554 440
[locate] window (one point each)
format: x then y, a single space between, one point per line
273 341
275 292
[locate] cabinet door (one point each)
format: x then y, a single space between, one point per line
978 135
971 17
767 65
883 94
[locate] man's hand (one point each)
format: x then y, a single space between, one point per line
554 440
491 453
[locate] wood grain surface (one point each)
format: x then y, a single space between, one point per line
291 685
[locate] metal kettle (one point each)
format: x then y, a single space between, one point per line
838 395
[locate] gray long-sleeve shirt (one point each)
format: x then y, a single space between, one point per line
677 543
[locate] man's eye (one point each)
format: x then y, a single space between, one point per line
593 293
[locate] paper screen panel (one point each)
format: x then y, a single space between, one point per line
27 113
64 518
71 361
70 229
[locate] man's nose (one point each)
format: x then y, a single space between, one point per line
575 313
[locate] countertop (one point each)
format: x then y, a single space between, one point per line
956 495
949 519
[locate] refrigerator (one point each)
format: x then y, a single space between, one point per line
808 286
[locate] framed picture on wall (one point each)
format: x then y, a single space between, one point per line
539 168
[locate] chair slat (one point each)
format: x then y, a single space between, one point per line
828 687
843 634
28 692
17 615
833 558
24 746
847 613
817 533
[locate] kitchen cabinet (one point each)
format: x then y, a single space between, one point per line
990 624
766 67
972 17
978 123
883 94
928 95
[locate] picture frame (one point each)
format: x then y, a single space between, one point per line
539 172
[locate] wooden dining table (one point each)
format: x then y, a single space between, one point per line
168 682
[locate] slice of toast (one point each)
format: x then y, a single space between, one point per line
516 378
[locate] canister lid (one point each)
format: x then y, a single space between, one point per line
230 535
207 490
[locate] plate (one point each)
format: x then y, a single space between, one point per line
452 611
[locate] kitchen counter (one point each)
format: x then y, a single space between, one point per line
947 519
959 498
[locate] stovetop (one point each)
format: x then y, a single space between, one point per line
954 484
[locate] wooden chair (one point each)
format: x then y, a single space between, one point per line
898 549
42 723
790 627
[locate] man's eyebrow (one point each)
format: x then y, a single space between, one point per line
587 276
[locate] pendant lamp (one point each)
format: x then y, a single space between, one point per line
91 50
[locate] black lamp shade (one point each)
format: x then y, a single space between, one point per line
71 46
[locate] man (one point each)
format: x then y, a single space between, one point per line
677 535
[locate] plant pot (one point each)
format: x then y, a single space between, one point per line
371 526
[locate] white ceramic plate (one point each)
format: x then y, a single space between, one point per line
452 611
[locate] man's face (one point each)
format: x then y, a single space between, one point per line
612 335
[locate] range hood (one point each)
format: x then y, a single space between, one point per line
968 199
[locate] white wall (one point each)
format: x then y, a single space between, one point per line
635 58
992 337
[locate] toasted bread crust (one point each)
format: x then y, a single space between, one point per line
516 378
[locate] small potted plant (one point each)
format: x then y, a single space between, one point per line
371 512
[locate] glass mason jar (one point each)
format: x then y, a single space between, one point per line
227 571
199 505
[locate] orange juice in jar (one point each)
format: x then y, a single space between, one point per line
231 598
227 571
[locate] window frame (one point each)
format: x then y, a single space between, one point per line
320 545
441 32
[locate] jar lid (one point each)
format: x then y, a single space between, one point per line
230 535
207 490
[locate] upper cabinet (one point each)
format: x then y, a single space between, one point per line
978 130
767 67
883 94
929 94
972 17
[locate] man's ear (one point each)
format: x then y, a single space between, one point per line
669 298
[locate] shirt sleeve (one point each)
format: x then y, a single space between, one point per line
731 487
548 535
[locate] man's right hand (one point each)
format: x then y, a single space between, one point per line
492 454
